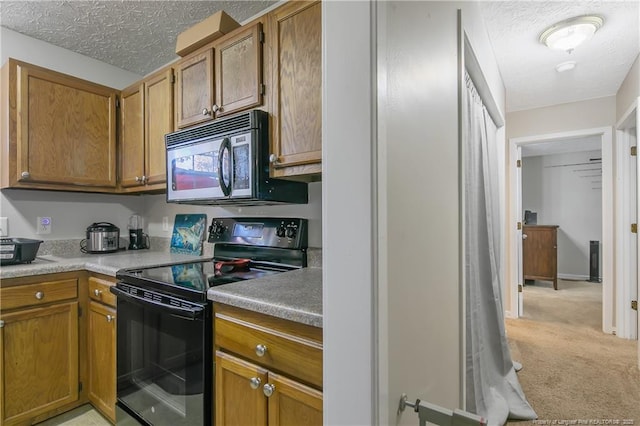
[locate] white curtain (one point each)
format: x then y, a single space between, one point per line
493 389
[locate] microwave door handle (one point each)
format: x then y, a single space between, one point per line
226 188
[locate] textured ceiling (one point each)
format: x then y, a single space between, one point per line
138 36
528 67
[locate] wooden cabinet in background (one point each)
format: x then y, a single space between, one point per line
540 253
238 65
39 353
295 89
195 90
268 370
146 111
58 131
222 78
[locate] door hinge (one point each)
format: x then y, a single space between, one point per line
634 228
79 386
261 37
117 102
172 80
634 305
519 163
634 151
79 311
519 226
263 89
1 323
519 288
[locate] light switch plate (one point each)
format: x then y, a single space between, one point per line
4 227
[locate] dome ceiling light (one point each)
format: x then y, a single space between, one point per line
566 66
568 34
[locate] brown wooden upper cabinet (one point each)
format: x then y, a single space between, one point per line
295 43
58 131
238 77
146 112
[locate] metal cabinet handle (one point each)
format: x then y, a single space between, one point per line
39 295
261 350
205 111
110 318
25 175
254 382
97 293
273 159
1 323
216 108
268 389
524 236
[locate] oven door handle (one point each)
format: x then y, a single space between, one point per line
224 145
191 314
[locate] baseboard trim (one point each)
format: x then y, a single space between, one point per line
573 277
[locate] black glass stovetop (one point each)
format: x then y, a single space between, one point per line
192 280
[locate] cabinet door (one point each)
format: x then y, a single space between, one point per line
239 71
67 130
102 358
158 122
296 88
238 403
132 136
39 361
195 88
293 403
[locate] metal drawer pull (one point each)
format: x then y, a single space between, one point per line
261 350
97 292
110 318
1 323
39 295
254 382
268 389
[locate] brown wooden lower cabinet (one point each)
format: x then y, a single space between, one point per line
38 357
102 359
268 371
540 253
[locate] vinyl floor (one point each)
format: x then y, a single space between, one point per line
85 415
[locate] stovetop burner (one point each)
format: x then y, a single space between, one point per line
245 249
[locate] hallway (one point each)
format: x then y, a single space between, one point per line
571 370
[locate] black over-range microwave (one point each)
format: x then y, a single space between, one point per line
226 161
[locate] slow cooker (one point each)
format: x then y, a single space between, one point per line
102 237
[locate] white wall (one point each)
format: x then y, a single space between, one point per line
629 90
566 190
156 208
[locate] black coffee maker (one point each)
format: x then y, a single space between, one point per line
137 239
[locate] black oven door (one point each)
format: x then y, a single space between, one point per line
164 360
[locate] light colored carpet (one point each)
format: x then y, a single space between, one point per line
572 372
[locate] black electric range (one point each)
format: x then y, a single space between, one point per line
164 327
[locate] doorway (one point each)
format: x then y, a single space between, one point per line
562 228
515 297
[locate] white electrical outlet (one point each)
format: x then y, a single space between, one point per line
4 227
43 225
165 223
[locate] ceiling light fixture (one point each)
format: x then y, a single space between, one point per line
566 66
568 34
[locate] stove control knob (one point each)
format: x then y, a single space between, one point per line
280 231
291 232
217 228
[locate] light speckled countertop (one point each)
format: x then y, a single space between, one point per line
294 295
107 264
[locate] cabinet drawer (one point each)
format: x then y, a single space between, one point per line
287 350
99 291
38 294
